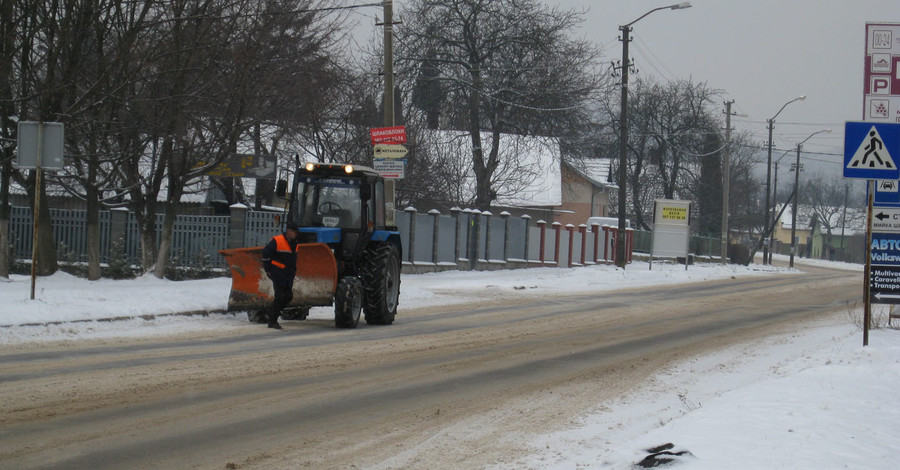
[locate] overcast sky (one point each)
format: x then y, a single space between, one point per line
761 53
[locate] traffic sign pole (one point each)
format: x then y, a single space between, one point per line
36 217
867 278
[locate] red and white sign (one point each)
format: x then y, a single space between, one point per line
881 87
388 135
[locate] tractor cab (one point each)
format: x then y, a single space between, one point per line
340 205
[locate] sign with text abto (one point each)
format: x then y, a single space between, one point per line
884 276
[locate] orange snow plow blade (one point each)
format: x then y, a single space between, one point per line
251 289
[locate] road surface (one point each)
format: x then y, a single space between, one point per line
461 386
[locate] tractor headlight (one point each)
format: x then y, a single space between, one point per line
310 166
348 169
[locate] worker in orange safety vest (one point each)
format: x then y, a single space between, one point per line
280 263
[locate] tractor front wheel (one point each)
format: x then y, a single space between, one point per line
380 275
347 302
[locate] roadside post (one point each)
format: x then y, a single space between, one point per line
39 146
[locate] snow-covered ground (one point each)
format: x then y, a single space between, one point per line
808 399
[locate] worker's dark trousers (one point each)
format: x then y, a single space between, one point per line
283 296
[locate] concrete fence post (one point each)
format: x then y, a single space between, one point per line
614 234
454 214
435 239
557 233
237 225
542 225
474 237
411 254
118 226
582 229
487 235
606 242
505 216
526 218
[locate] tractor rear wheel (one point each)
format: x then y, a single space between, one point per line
347 302
380 273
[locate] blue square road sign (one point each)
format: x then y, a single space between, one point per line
871 150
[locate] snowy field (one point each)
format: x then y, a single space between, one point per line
807 399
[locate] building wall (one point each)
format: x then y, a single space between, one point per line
783 234
581 199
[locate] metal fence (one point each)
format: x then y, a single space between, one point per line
470 239
195 239
462 239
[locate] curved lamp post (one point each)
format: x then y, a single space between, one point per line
797 195
623 124
768 224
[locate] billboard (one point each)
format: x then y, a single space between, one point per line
244 166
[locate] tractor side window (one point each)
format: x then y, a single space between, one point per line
378 202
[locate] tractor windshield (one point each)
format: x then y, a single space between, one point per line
327 202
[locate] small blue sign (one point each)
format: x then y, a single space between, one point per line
887 193
871 150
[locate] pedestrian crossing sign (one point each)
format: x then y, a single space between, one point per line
871 150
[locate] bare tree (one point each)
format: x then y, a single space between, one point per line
8 21
745 191
828 198
502 66
216 72
670 126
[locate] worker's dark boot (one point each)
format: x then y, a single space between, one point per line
273 322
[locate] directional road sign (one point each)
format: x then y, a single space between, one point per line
871 150
884 284
886 220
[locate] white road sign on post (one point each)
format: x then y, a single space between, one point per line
39 144
390 161
886 219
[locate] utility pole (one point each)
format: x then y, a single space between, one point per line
623 132
388 63
726 180
389 192
797 167
623 148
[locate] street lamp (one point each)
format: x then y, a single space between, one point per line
797 196
623 136
767 230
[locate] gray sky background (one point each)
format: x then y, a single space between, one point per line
760 53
